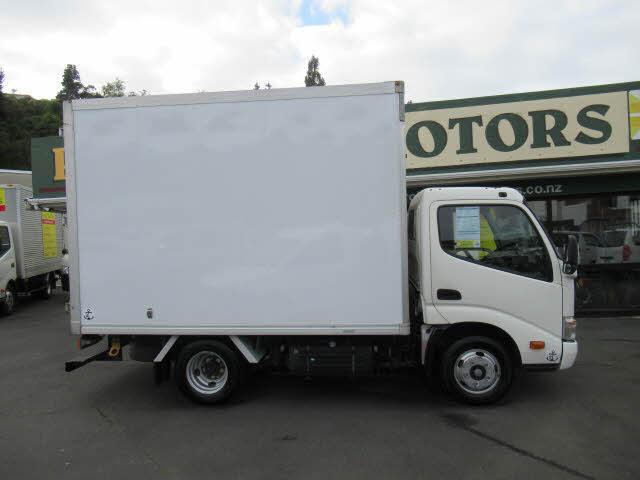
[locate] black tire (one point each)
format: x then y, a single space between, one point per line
64 280
477 370
8 305
49 285
201 386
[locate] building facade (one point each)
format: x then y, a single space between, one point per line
573 153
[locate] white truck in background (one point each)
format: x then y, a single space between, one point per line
30 248
270 229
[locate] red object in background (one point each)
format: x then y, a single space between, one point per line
3 208
626 253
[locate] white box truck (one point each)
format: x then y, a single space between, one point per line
212 233
31 244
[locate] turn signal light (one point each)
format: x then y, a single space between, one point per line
536 344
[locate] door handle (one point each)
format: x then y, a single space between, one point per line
447 294
13 265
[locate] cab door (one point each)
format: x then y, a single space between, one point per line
491 263
7 257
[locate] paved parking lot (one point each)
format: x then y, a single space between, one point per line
111 421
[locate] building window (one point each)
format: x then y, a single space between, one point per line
607 228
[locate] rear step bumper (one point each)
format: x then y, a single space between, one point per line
99 352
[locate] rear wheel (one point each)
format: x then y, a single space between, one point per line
8 305
477 370
207 371
49 284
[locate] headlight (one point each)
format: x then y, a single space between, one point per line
569 328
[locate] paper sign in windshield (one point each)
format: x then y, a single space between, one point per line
467 227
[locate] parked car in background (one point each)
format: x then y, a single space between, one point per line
620 245
589 245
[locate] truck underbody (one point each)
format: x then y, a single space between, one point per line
424 350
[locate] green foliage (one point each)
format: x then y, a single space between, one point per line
113 89
73 88
25 117
71 84
313 77
1 94
141 93
22 117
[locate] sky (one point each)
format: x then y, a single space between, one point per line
441 49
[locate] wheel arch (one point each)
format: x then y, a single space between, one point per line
185 340
468 329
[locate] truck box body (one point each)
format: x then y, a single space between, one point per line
239 213
38 236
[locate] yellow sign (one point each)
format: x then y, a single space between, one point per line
58 163
49 235
3 205
634 114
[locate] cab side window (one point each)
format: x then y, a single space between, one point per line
495 236
5 240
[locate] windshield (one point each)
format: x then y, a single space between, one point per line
614 238
556 248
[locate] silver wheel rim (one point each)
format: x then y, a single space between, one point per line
477 371
9 300
207 372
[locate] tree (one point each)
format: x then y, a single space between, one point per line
73 88
313 77
71 84
1 94
256 86
113 89
24 118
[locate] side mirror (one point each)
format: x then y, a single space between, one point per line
571 255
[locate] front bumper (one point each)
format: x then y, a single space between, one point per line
569 354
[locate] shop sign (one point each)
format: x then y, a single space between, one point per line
579 125
47 166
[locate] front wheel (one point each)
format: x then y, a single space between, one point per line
207 371
477 370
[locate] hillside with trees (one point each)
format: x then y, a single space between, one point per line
23 117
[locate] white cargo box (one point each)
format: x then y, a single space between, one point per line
37 236
254 212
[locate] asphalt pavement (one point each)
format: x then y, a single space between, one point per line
109 420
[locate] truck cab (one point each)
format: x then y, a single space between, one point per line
482 266
7 270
